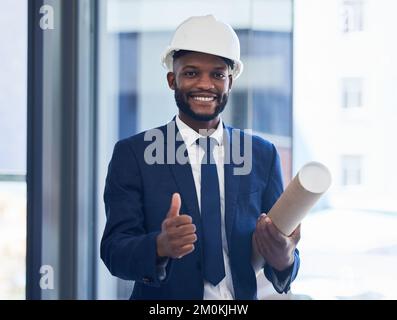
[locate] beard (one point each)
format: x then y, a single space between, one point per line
181 100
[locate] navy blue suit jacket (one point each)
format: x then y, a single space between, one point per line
137 198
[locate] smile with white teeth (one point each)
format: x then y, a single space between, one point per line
203 98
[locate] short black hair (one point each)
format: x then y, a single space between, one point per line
180 53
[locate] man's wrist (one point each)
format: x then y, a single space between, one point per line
160 252
287 266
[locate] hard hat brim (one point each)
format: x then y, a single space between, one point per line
167 61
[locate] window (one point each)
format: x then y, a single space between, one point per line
352 93
60 150
352 16
13 75
272 78
348 242
351 170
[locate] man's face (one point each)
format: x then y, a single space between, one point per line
201 82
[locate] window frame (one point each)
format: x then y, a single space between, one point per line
61 150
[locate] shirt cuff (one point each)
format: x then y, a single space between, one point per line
281 279
161 267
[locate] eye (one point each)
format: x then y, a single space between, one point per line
190 74
219 75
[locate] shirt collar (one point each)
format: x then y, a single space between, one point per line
190 136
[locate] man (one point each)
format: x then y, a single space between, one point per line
197 229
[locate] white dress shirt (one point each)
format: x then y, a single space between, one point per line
224 289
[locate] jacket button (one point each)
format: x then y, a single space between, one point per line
147 280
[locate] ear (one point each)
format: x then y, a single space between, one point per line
171 80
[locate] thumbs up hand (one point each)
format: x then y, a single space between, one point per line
177 235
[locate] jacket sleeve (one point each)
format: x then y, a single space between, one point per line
281 280
127 249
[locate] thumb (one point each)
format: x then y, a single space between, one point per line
175 206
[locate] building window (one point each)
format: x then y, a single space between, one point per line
352 93
352 170
352 16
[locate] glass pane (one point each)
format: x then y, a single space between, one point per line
349 242
13 77
351 92
134 83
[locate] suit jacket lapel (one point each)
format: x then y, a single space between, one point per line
182 172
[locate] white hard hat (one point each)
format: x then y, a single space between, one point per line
208 35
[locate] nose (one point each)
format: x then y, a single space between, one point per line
205 82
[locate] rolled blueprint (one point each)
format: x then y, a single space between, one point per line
299 197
